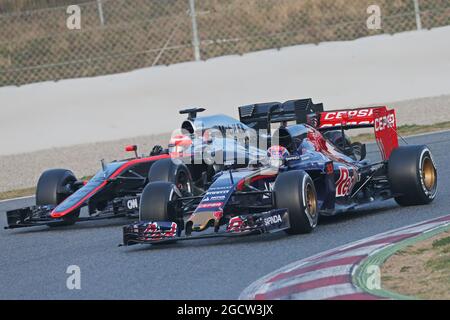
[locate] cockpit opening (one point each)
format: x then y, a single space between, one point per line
290 137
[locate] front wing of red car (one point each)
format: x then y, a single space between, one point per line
153 232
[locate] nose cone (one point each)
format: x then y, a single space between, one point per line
202 220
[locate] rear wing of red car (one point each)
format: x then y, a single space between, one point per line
305 111
382 119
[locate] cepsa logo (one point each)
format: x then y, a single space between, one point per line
384 122
352 117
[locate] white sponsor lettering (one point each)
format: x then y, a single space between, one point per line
272 220
217 198
360 113
132 204
211 193
384 122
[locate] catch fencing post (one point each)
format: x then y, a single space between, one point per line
100 12
418 18
195 39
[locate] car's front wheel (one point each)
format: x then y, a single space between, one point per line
54 186
295 191
157 202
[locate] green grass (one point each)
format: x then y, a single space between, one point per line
405 268
422 271
442 263
441 242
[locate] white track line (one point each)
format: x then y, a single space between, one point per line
14 199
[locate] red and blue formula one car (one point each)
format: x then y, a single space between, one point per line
311 169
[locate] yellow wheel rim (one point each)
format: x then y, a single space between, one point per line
428 174
311 201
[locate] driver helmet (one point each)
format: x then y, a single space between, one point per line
179 144
277 155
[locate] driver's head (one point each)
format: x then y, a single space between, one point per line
277 155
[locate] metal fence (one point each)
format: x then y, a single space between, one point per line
122 35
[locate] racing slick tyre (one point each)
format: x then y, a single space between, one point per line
155 204
174 171
412 175
295 191
54 186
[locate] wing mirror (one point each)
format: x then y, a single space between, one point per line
132 148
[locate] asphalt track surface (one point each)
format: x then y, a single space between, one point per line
34 261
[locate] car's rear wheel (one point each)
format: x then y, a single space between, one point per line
295 191
412 175
156 202
173 171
